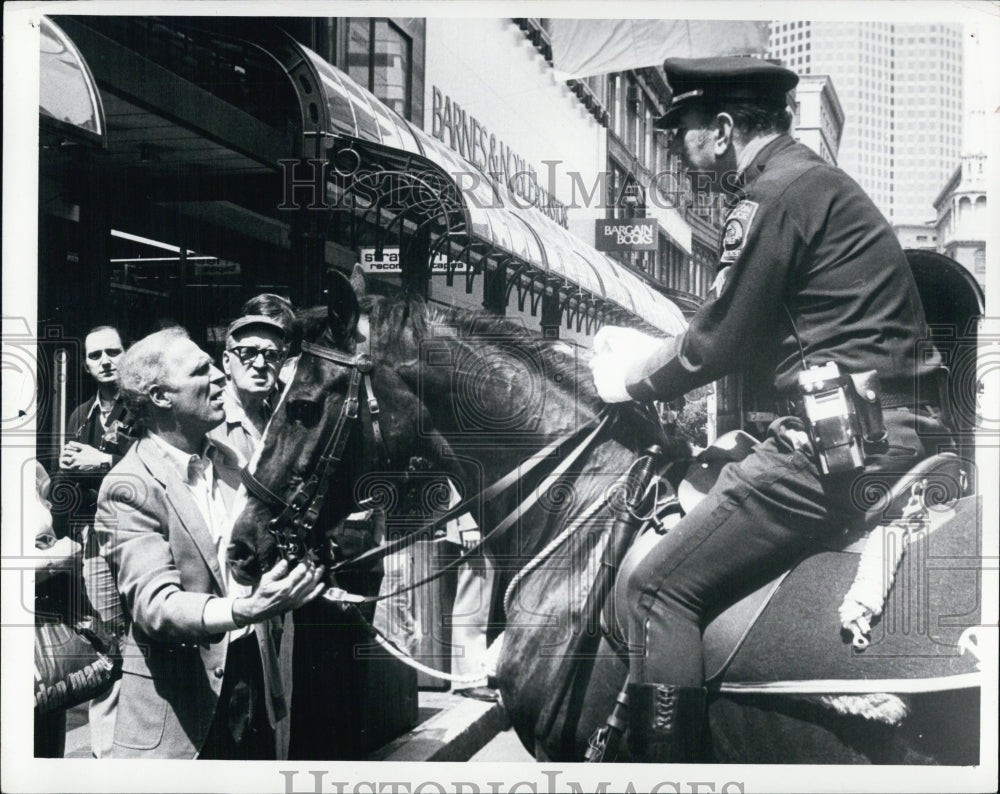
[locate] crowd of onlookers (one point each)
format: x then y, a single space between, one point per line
151 465
153 462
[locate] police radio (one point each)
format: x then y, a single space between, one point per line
841 413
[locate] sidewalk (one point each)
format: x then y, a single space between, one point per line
77 733
451 728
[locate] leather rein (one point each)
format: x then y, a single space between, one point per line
296 517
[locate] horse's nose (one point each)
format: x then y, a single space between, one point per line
243 563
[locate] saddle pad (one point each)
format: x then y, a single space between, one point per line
724 636
796 635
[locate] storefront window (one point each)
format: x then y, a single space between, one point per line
154 284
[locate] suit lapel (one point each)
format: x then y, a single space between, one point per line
181 500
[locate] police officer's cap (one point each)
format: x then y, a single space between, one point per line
698 81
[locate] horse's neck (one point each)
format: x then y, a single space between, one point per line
542 505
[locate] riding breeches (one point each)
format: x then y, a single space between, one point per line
763 514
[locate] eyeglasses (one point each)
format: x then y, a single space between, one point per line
247 354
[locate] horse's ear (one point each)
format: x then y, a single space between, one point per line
359 282
342 310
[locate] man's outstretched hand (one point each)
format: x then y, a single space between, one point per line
280 589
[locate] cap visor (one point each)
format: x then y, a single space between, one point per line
670 120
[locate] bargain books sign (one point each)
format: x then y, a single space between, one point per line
626 234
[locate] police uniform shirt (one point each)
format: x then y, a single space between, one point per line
802 242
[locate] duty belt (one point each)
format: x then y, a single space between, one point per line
895 393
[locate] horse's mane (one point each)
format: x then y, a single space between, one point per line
397 324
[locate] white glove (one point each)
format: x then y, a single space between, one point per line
609 377
616 350
620 341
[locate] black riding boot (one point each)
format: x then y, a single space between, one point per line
665 722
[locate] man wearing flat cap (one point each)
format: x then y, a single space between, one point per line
809 274
255 350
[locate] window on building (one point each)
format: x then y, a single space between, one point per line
379 57
641 125
650 143
621 104
633 121
614 82
626 197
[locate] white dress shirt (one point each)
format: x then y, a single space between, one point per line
198 473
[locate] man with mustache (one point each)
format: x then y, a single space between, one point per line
815 305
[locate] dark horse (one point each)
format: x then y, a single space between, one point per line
477 398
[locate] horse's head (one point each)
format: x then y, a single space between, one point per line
459 394
342 416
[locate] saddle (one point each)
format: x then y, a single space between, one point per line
786 637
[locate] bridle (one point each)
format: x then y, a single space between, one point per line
297 516
293 525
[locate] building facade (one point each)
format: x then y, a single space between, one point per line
819 118
962 217
921 236
214 186
900 85
638 181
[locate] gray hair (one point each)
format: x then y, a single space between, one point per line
142 366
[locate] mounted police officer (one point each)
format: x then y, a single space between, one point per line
814 297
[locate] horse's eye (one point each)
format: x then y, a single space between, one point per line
306 412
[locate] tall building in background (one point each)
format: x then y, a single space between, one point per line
929 113
900 86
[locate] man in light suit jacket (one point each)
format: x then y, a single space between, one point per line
199 671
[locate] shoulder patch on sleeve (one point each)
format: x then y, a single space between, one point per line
734 233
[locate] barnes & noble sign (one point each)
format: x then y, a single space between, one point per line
451 125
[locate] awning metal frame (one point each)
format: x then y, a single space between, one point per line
423 171
392 177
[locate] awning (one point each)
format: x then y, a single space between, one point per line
493 216
356 112
68 96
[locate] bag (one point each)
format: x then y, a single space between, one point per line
72 665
